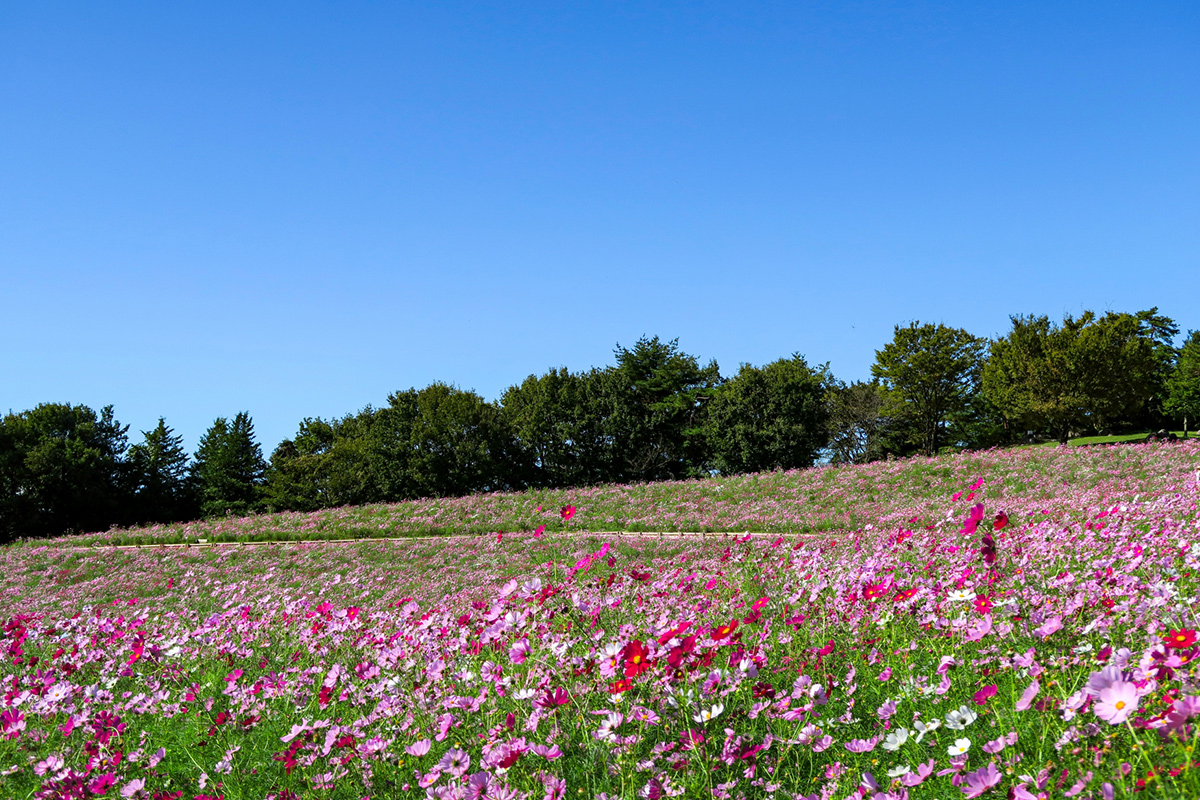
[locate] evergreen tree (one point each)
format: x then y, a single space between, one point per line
1183 387
228 470
159 469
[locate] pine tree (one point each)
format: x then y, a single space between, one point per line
1183 387
163 487
229 468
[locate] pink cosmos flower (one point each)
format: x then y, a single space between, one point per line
980 781
886 674
1117 702
918 777
418 748
133 787
862 745
537 534
1048 627
1027 696
102 784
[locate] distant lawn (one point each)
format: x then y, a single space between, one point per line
1125 437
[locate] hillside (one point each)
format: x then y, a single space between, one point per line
1059 481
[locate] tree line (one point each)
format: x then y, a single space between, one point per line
657 413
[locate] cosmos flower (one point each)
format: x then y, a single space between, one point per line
1116 702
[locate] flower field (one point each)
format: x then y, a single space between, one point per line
1004 624
828 499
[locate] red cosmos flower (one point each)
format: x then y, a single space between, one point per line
725 630
1185 637
1001 521
671 634
636 658
904 595
982 604
567 512
677 654
139 645
620 686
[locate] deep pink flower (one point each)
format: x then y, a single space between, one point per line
981 697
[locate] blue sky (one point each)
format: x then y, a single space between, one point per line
294 209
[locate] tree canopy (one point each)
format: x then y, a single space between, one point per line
930 374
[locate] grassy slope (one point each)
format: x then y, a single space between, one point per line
915 491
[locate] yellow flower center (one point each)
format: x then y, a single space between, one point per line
1119 705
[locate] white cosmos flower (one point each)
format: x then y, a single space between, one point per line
961 718
927 727
896 772
895 739
712 713
524 694
961 596
959 747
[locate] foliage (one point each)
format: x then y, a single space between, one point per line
228 469
1183 387
653 407
931 374
856 423
771 417
162 487
1089 372
451 442
559 429
61 469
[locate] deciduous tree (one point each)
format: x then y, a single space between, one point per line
771 417
930 373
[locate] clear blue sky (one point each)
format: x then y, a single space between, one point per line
295 208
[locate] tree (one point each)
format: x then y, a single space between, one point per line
558 426
159 470
62 469
324 466
653 405
856 423
228 470
930 373
440 441
1183 387
1088 372
773 417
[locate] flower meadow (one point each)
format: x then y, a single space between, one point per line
998 628
826 499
